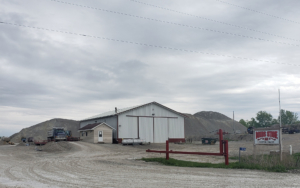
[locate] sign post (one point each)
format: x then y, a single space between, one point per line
241 149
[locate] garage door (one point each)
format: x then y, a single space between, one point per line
146 129
160 130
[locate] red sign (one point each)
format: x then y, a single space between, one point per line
266 137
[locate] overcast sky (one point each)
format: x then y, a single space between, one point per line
189 55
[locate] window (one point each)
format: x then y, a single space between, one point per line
85 133
82 134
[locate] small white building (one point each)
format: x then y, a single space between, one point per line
96 133
152 122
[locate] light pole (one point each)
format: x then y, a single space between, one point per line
280 128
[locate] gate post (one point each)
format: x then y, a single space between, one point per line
226 152
221 140
167 149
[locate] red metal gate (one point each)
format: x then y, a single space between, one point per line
223 150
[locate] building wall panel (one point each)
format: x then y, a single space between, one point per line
146 129
106 134
87 136
129 129
160 130
176 128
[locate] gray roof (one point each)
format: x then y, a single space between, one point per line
111 113
119 111
93 126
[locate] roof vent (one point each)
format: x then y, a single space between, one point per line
116 110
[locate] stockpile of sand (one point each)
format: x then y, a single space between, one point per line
56 146
40 131
203 124
21 144
246 137
3 143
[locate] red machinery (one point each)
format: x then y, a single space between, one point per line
223 149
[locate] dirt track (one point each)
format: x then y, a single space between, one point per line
90 165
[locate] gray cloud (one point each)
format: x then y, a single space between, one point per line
47 74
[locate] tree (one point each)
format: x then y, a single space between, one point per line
264 118
252 123
288 117
274 121
243 122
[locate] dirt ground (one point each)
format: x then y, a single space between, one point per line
80 164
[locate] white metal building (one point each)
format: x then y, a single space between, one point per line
152 122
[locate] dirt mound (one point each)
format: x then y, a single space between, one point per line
56 147
21 144
3 143
205 123
246 137
39 131
211 115
5 139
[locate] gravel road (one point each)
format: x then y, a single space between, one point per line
111 165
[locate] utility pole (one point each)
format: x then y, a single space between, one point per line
233 122
280 128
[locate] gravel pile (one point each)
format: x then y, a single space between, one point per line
40 131
21 144
206 123
56 146
3 143
247 137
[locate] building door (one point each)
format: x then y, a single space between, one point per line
146 129
161 132
100 138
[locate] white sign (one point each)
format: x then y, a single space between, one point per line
266 137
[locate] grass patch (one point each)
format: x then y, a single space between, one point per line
180 163
263 162
296 154
234 158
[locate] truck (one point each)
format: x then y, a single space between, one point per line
250 130
57 134
290 129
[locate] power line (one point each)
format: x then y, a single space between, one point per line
177 24
252 10
208 19
150 45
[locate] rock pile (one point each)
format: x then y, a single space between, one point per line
56 146
40 131
206 123
3 143
21 144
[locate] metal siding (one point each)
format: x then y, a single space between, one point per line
160 130
146 129
176 128
112 121
128 127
